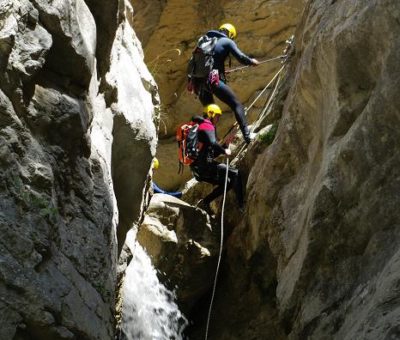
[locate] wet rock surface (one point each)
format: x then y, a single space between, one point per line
59 211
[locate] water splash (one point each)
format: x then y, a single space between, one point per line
149 309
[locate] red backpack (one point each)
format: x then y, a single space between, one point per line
188 144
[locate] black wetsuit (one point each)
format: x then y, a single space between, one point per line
206 169
221 90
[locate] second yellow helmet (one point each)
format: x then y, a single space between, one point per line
230 29
212 109
156 163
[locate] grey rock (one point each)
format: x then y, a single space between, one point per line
134 132
58 208
73 29
183 243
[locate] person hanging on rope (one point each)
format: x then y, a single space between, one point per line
205 168
215 82
156 189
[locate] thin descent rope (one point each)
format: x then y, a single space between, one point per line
261 62
265 109
263 90
264 112
255 100
220 248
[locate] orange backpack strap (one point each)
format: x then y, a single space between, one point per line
181 134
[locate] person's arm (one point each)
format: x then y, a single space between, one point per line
210 139
240 56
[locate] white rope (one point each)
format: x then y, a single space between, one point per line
264 89
258 97
220 248
264 112
261 62
266 106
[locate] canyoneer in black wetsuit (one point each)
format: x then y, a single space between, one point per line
216 82
156 189
205 168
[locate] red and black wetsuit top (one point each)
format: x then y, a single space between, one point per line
207 137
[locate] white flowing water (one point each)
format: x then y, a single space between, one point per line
149 310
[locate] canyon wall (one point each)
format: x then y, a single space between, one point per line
76 116
316 255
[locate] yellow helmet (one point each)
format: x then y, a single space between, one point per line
156 163
212 109
230 30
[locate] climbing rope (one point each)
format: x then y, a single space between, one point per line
257 98
263 90
220 248
259 63
284 57
264 112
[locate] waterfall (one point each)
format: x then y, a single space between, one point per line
149 310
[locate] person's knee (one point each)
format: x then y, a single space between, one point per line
233 173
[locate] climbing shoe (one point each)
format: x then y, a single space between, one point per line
248 138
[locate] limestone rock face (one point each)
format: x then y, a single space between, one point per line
58 125
183 243
169 31
317 254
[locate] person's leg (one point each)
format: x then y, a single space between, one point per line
219 177
214 175
205 95
238 187
224 93
234 181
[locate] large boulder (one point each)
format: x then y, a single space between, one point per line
183 243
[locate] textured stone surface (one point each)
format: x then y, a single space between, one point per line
134 129
169 31
183 243
316 254
74 30
59 214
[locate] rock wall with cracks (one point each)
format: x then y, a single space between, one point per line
72 125
317 253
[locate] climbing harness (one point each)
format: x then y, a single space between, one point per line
260 63
220 248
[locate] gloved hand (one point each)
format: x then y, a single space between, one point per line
255 62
